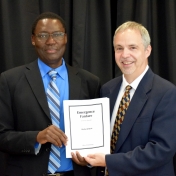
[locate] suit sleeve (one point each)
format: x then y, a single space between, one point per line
12 141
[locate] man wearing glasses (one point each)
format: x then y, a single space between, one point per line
31 103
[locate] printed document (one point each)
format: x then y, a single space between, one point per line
87 126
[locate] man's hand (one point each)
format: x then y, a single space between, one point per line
53 135
97 159
78 159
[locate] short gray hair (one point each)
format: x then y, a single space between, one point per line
136 26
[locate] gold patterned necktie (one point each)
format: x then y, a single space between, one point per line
124 103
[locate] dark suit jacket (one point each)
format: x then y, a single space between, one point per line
24 112
147 140
3 160
174 162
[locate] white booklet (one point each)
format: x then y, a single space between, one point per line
87 126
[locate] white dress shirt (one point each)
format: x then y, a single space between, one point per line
134 86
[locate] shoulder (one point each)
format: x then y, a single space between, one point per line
113 82
163 88
13 72
156 87
163 83
111 86
18 71
153 83
83 74
14 75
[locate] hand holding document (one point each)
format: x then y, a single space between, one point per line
87 126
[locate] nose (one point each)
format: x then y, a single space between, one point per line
125 53
50 40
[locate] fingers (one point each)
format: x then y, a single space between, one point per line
90 159
81 159
53 135
91 156
97 159
77 158
56 136
74 158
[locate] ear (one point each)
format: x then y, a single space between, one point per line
65 38
148 51
32 40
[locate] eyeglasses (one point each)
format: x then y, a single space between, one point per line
45 36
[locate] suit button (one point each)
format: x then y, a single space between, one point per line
47 149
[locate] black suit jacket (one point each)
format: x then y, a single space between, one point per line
146 143
24 112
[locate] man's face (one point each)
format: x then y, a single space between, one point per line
50 50
130 54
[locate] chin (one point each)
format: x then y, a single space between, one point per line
127 72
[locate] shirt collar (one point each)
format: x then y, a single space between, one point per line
44 69
136 82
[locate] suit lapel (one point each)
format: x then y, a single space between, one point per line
137 103
34 78
74 83
35 81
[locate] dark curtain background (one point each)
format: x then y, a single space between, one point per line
90 28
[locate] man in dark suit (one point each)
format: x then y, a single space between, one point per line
146 141
26 129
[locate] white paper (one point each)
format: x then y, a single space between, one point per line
87 126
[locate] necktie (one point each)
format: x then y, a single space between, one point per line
124 103
53 98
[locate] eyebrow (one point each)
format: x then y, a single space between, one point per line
49 32
118 45
133 45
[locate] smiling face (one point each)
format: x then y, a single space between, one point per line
50 51
130 54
